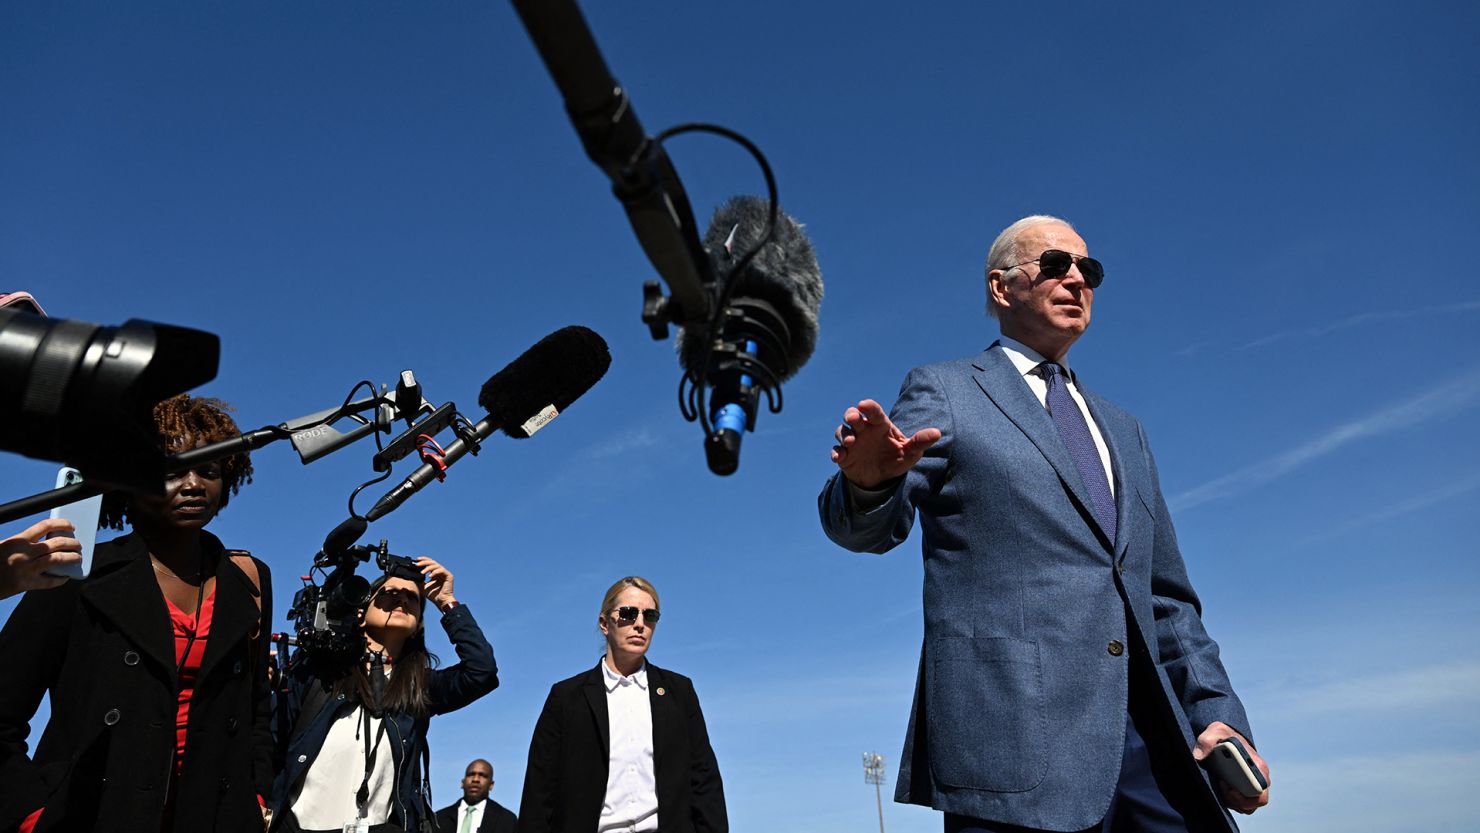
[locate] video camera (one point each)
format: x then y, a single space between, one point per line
83 394
326 616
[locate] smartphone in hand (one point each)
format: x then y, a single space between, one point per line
1233 765
84 517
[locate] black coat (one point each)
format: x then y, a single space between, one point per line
496 819
565 784
104 650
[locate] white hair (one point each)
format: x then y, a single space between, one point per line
1004 253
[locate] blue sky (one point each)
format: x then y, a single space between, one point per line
1285 199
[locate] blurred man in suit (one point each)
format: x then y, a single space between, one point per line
476 812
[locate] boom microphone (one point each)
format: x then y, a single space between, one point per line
521 399
642 175
767 330
344 536
741 347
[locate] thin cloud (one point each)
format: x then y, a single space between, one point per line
1358 320
1402 692
1438 402
635 440
1361 319
1416 503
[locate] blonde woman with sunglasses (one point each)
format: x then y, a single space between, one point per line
623 745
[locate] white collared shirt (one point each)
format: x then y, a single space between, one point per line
631 804
325 797
462 810
1026 360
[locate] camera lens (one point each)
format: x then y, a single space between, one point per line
84 395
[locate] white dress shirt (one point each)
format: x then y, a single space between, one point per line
631 804
326 796
462 811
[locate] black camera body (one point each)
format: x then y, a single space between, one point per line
84 395
326 617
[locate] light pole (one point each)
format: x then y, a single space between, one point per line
873 773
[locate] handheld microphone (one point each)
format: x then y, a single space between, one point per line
520 399
767 330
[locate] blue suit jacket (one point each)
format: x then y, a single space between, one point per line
1020 704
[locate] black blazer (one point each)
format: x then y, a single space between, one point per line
565 784
496 819
104 650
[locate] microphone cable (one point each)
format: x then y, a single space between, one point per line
691 393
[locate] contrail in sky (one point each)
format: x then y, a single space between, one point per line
1347 323
1445 400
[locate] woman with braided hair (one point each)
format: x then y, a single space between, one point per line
155 665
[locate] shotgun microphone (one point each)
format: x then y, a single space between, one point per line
520 399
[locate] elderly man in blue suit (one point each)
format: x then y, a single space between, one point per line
1066 681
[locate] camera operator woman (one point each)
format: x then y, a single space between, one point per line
154 664
623 746
356 756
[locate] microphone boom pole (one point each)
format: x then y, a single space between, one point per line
643 177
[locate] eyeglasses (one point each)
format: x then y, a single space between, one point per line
1054 263
627 614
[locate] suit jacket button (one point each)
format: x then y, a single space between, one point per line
112 717
130 658
231 726
1116 648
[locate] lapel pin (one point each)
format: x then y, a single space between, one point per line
661 692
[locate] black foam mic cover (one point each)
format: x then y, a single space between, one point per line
345 535
783 274
553 373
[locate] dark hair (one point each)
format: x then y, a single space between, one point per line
182 422
408 688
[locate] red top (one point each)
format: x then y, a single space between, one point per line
184 624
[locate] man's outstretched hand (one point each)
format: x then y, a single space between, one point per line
870 450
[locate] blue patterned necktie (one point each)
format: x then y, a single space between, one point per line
1081 445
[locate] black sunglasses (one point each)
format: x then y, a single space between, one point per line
1054 263
628 614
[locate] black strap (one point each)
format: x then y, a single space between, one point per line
362 795
428 818
377 682
200 599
